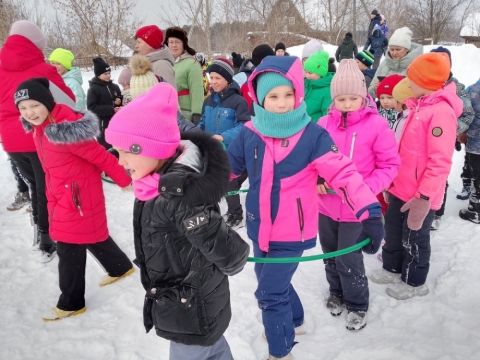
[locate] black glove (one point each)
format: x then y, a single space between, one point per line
196 119
458 146
373 229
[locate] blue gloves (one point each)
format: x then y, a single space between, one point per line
372 228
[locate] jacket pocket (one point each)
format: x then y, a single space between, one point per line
77 202
178 309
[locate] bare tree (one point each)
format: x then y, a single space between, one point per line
437 19
13 10
98 27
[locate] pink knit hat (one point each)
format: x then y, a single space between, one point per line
348 80
30 31
148 126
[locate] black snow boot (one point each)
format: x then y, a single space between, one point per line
472 213
47 246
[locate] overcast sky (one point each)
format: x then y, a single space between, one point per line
150 8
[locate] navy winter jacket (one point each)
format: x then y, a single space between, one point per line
224 113
473 132
377 43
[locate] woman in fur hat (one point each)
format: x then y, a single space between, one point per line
188 74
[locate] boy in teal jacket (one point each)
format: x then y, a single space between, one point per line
317 85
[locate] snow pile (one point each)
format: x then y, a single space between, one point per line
442 325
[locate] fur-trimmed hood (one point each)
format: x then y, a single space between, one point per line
70 127
139 65
210 184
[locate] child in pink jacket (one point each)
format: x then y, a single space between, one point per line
365 137
426 148
284 153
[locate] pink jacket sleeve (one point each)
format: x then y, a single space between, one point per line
340 173
441 136
387 160
96 154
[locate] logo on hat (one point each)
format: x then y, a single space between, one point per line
21 95
135 149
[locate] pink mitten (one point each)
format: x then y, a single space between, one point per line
419 209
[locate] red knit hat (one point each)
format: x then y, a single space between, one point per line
386 85
152 35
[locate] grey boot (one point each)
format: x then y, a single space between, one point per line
21 199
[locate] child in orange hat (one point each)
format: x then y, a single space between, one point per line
426 149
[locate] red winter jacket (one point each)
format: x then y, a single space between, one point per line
73 162
21 60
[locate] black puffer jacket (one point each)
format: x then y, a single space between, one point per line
100 99
184 248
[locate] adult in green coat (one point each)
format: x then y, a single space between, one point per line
188 74
62 60
317 85
347 49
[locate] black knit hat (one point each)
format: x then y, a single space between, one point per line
100 67
223 67
180 34
280 46
237 59
374 12
261 52
349 34
35 89
331 65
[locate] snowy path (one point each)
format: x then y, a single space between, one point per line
442 325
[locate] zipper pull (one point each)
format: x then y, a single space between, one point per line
80 209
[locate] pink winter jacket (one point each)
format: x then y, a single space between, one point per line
365 137
426 146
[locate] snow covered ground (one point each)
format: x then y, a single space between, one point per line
442 325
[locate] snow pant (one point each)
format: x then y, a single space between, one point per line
282 310
346 273
30 167
376 62
467 171
101 138
474 162
233 201
218 351
406 251
72 259
21 185
441 211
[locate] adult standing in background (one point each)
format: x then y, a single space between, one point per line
401 52
375 19
21 58
237 60
62 60
188 74
377 43
149 41
347 49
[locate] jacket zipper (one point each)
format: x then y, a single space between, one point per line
344 191
255 157
301 219
353 145
43 157
344 116
76 197
218 119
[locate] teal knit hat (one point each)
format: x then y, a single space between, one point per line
317 63
267 81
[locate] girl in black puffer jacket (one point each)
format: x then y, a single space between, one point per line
104 98
184 249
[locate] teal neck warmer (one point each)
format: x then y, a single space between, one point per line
280 126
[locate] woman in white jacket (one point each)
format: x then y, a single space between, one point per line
62 60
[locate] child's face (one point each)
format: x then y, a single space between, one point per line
280 52
417 90
311 76
105 76
348 103
60 68
33 111
126 87
387 102
280 99
361 65
137 166
217 82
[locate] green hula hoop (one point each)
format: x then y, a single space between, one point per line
329 255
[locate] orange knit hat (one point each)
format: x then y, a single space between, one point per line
430 70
